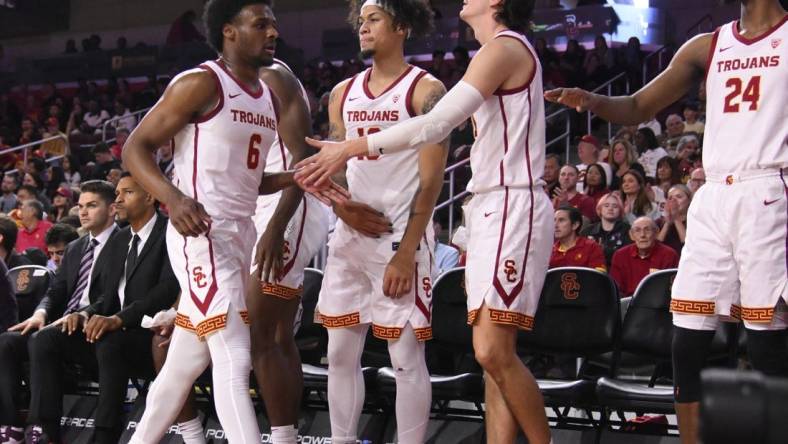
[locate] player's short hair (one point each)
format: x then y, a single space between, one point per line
515 14
102 188
61 233
9 231
218 13
414 15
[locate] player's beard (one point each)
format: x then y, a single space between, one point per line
366 54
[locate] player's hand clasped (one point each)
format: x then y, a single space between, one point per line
316 171
579 99
188 216
398 276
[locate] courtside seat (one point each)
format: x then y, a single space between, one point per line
30 284
454 373
578 317
647 333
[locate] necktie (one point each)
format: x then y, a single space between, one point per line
85 265
131 258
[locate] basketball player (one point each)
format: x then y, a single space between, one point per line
509 218
284 250
383 280
222 119
745 151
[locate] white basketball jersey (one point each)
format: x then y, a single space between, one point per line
219 158
387 182
747 101
509 149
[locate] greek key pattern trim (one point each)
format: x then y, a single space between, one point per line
347 320
752 314
692 307
280 291
519 320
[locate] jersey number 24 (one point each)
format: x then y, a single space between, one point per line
752 94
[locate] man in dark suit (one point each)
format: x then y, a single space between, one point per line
137 280
70 290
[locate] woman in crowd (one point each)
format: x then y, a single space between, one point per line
61 204
688 153
636 200
622 158
595 184
571 249
668 173
611 232
674 223
649 149
71 174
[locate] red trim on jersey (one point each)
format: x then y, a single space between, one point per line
286 269
506 92
194 161
419 304
275 105
497 282
393 84
344 96
748 41
409 95
505 136
711 55
255 95
284 157
785 187
219 105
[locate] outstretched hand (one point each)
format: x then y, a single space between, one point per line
579 99
316 171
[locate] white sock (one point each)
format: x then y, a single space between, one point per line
192 432
287 434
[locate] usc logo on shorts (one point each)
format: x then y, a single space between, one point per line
569 286
510 270
286 251
427 286
199 277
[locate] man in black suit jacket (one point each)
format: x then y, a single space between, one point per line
137 281
97 214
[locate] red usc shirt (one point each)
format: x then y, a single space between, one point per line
628 268
585 253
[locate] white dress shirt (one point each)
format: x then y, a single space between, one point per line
144 234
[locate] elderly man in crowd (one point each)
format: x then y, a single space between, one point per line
641 258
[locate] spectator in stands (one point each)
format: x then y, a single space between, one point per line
446 256
76 124
34 227
120 139
600 63
29 131
654 125
691 114
594 186
688 152
58 147
644 256
674 223
622 157
71 47
697 179
636 201
61 204
588 153
650 151
611 232
567 194
71 174
552 166
439 68
95 116
57 239
633 63
572 63
114 175
9 231
73 287
104 161
183 30
164 159
668 173
123 114
570 249
7 160
8 200
37 256
674 129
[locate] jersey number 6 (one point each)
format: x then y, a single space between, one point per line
253 156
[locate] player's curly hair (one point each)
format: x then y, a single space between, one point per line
413 15
515 14
217 13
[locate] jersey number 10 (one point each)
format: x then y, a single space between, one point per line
369 131
752 94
